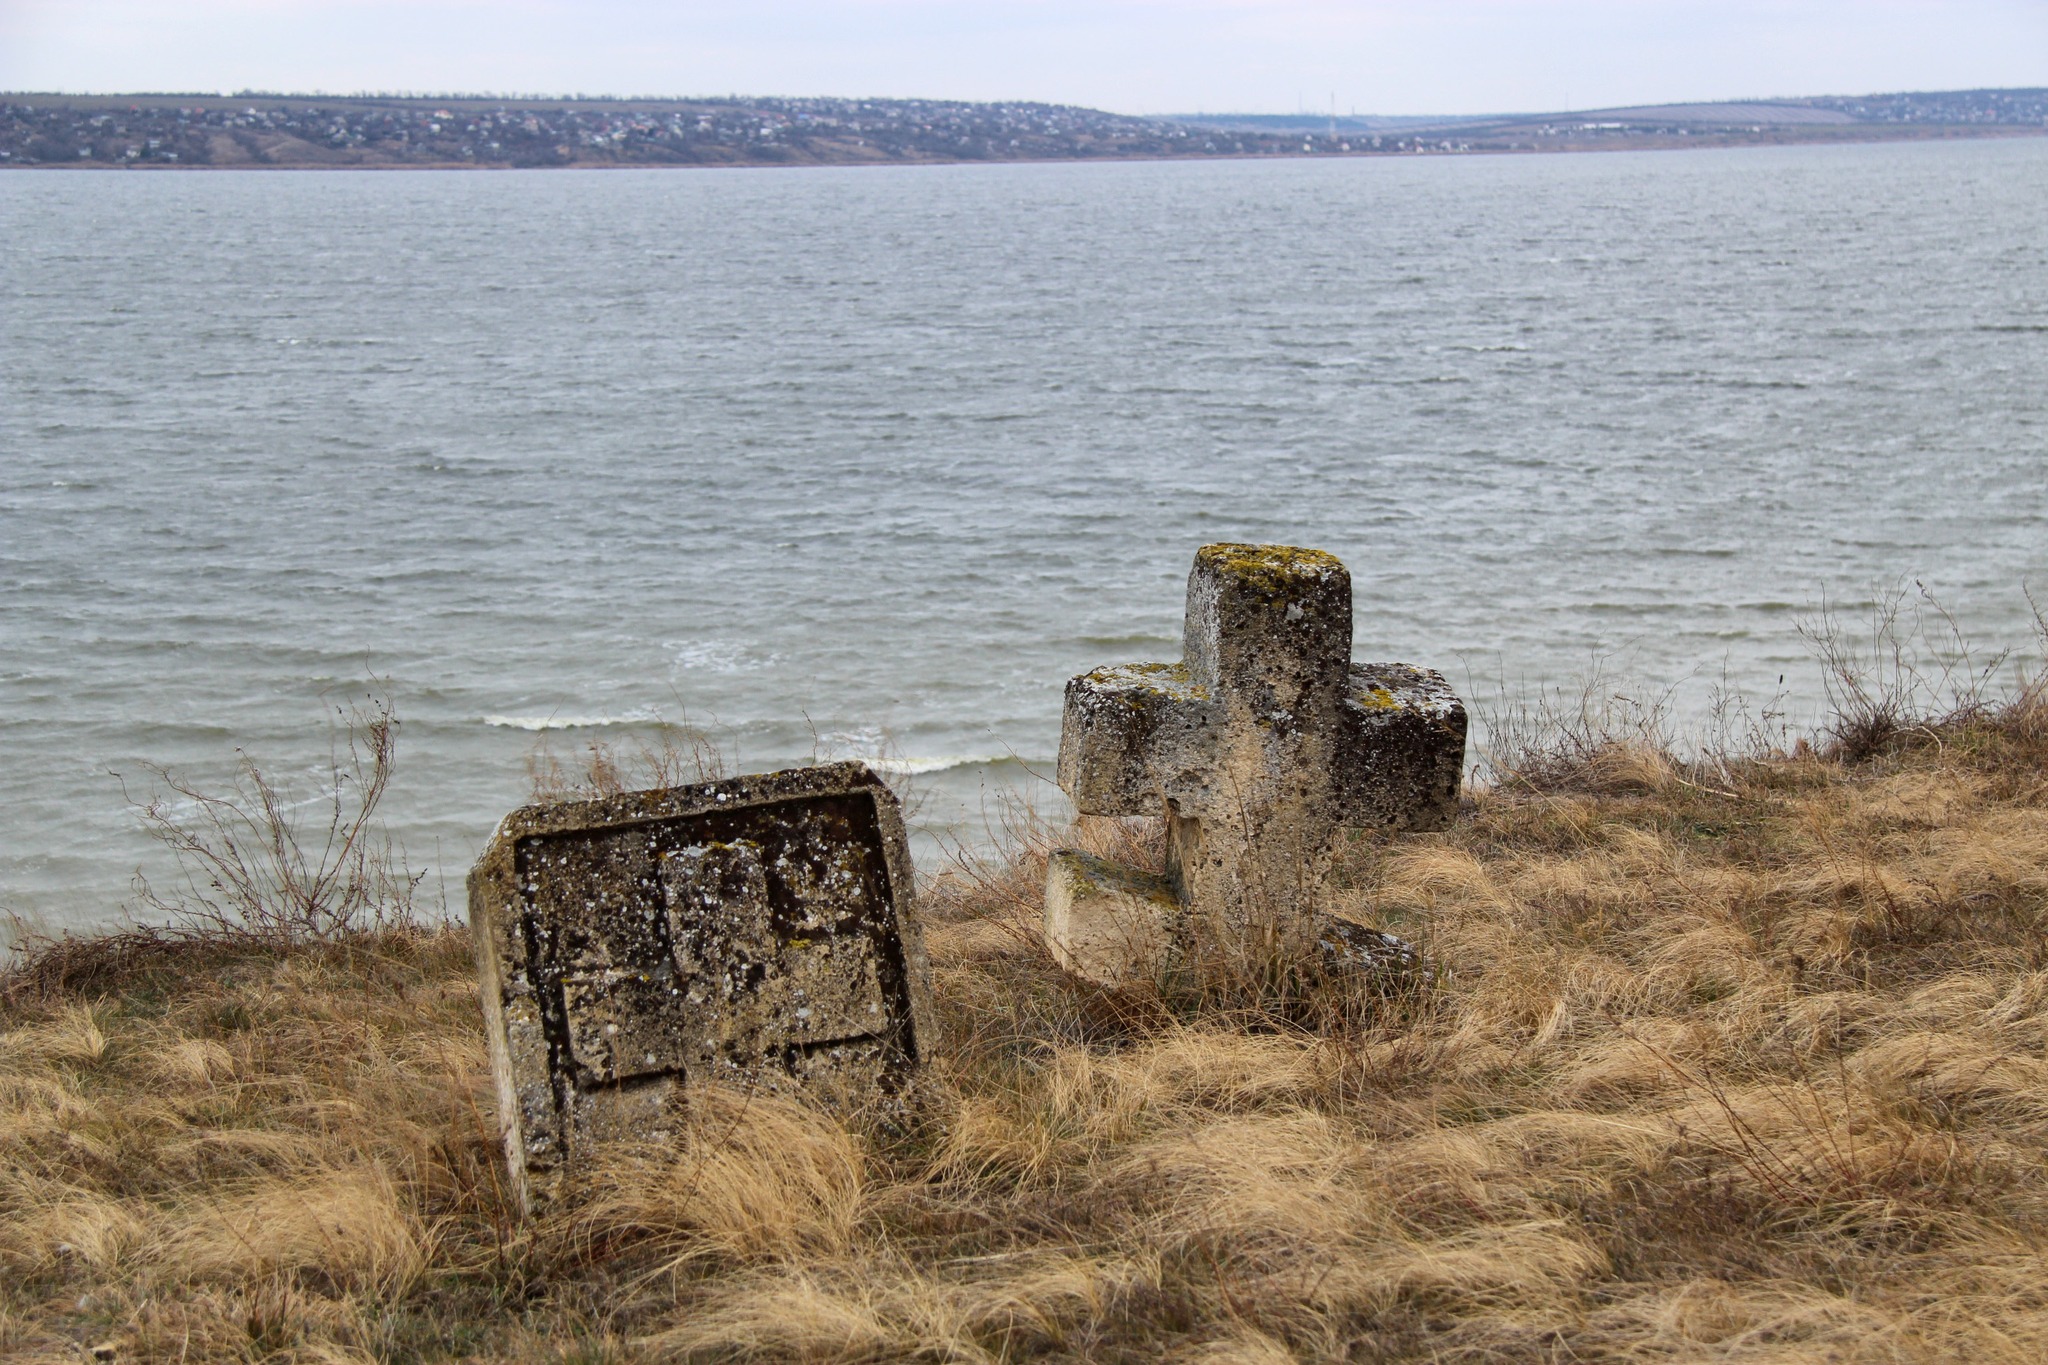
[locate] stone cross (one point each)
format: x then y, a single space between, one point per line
759 932
1257 747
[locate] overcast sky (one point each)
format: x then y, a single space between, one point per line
1134 56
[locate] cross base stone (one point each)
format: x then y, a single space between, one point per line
1117 927
1108 923
1353 947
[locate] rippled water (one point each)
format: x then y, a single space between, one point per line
832 458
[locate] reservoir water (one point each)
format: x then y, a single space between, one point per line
850 461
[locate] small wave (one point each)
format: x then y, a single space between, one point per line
716 656
938 763
561 722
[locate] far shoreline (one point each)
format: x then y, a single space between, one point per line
1834 136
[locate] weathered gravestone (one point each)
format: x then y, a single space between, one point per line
758 931
1258 746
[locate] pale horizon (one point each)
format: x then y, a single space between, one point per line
1466 57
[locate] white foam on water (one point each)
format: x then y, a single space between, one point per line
937 763
716 656
537 723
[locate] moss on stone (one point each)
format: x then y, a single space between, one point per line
1267 568
1112 876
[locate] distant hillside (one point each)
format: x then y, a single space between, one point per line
257 130
317 130
1947 109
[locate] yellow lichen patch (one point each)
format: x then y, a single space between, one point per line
1268 568
1144 686
1136 677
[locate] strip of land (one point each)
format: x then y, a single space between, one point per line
311 131
1739 1059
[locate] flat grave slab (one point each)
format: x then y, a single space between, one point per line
758 932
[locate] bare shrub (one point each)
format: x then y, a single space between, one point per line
41 965
1600 733
2025 712
1906 668
248 866
1741 731
1904 674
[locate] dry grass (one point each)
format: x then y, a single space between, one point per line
1742 1066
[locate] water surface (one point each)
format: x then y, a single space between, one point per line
836 459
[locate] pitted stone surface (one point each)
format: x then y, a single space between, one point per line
759 931
1264 739
1107 922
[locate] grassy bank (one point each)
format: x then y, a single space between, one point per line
1735 1061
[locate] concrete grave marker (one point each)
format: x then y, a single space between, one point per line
759 931
1257 747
